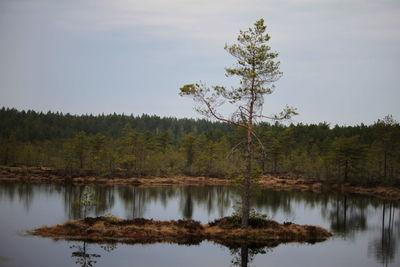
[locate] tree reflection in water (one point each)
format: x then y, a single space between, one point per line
384 247
82 255
347 216
210 198
187 206
104 198
135 200
244 255
86 259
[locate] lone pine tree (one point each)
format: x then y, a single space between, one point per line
258 70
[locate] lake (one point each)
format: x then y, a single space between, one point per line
366 230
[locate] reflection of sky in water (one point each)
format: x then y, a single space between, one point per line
362 237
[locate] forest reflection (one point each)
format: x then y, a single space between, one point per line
346 215
383 247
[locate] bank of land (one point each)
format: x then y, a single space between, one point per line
38 175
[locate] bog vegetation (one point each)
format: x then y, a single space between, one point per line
121 145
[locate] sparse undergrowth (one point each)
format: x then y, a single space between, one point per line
224 231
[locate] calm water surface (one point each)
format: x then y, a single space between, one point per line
366 230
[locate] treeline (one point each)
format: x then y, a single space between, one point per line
31 126
121 145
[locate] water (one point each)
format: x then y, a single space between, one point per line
366 230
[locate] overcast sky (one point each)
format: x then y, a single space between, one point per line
340 58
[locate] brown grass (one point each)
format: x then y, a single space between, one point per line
300 184
144 231
41 175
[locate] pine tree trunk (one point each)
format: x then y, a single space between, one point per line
244 255
249 154
247 181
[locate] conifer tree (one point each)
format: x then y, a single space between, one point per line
258 70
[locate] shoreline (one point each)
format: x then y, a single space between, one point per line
40 175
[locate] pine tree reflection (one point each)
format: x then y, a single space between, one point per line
224 200
82 255
104 199
246 253
24 191
135 200
187 210
275 201
384 247
347 216
86 259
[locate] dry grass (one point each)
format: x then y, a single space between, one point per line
380 191
143 231
40 175
284 183
288 184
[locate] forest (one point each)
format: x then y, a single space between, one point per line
146 146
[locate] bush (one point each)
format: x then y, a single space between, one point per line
256 219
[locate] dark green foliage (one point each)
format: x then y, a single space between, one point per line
367 155
37 126
347 154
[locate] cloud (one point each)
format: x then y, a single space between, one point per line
218 21
326 46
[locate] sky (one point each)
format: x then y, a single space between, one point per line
340 58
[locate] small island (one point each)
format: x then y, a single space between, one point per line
225 231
